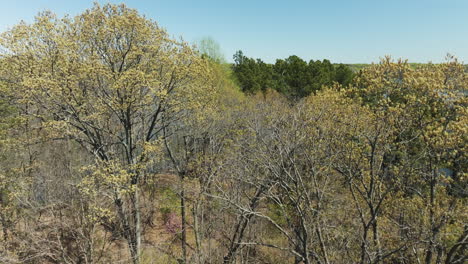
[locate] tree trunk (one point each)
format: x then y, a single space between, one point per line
137 223
322 245
376 240
364 244
131 227
184 223
196 231
430 247
241 227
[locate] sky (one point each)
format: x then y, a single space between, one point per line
343 31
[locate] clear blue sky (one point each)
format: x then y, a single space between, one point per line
348 31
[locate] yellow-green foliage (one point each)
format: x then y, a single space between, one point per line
108 79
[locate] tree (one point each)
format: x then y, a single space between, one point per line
425 112
7 183
253 75
343 75
293 72
110 80
209 47
292 76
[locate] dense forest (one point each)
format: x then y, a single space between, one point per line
119 144
293 77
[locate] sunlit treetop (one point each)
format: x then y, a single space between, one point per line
109 77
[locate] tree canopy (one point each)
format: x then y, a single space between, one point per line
292 76
119 144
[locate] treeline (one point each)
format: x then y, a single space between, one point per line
119 144
292 76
